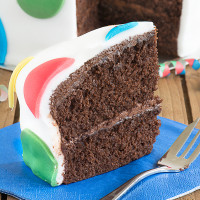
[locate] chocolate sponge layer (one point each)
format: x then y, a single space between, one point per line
106 111
110 83
114 145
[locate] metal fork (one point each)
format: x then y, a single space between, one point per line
169 162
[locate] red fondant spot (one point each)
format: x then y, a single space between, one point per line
166 71
190 61
38 79
179 67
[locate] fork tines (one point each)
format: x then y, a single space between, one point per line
178 144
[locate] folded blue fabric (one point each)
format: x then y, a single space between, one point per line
17 179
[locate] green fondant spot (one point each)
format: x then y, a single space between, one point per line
38 157
41 8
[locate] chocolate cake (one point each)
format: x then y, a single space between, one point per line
91 107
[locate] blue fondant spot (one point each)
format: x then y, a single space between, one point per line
121 28
196 64
3 43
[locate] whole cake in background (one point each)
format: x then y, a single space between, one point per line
87 105
27 26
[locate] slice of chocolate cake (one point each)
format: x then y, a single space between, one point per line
87 105
112 144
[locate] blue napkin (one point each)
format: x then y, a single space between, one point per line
17 179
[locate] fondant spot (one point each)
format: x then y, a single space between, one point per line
118 29
38 79
38 157
3 43
13 79
41 8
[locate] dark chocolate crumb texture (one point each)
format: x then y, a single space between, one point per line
87 106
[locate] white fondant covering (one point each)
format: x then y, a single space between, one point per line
189 33
26 35
81 49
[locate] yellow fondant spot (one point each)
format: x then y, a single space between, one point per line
13 79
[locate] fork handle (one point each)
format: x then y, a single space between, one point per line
117 193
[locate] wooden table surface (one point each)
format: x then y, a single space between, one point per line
181 102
